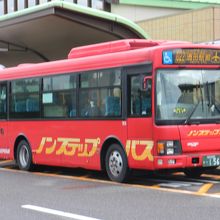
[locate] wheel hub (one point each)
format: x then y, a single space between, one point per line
24 156
115 163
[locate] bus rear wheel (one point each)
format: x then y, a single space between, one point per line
24 156
116 163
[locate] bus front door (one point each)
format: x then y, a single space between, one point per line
139 123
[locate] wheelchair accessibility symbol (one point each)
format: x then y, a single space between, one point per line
167 57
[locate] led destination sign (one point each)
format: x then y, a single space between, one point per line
191 57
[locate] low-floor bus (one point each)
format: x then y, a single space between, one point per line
115 106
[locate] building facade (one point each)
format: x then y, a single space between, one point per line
49 30
198 26
189 20
10 6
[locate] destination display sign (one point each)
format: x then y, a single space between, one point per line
191 57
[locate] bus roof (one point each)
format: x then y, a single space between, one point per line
116 46
98 56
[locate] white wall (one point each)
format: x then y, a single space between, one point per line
139 13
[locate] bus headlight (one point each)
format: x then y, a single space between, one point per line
169 147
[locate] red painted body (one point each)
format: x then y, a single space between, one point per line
78 143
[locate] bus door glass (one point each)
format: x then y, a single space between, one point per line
139 106
3 118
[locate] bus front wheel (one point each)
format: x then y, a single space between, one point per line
24 156
193 172
116 163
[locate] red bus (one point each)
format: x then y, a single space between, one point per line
115 106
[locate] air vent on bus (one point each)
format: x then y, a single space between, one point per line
110 47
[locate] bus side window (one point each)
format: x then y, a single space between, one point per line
140 98
100 93
3 101
59 96
88 103
113 103
25 98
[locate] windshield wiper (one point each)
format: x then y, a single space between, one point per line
191 113
200 99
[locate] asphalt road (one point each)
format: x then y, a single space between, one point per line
55 193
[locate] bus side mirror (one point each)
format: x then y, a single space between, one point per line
147 83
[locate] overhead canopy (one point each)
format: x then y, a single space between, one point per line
49 31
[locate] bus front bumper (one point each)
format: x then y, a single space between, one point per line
185 161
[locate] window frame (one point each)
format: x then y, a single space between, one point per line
24 114
63 90
99 88
143 70
4 115
125 70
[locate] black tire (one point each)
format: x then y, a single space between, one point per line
24 156
116 163
193 172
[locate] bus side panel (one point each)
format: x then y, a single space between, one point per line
5 151
139 145
67 143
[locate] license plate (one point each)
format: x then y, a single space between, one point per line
211 161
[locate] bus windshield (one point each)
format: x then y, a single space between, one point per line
187 96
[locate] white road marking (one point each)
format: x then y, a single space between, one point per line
57 212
